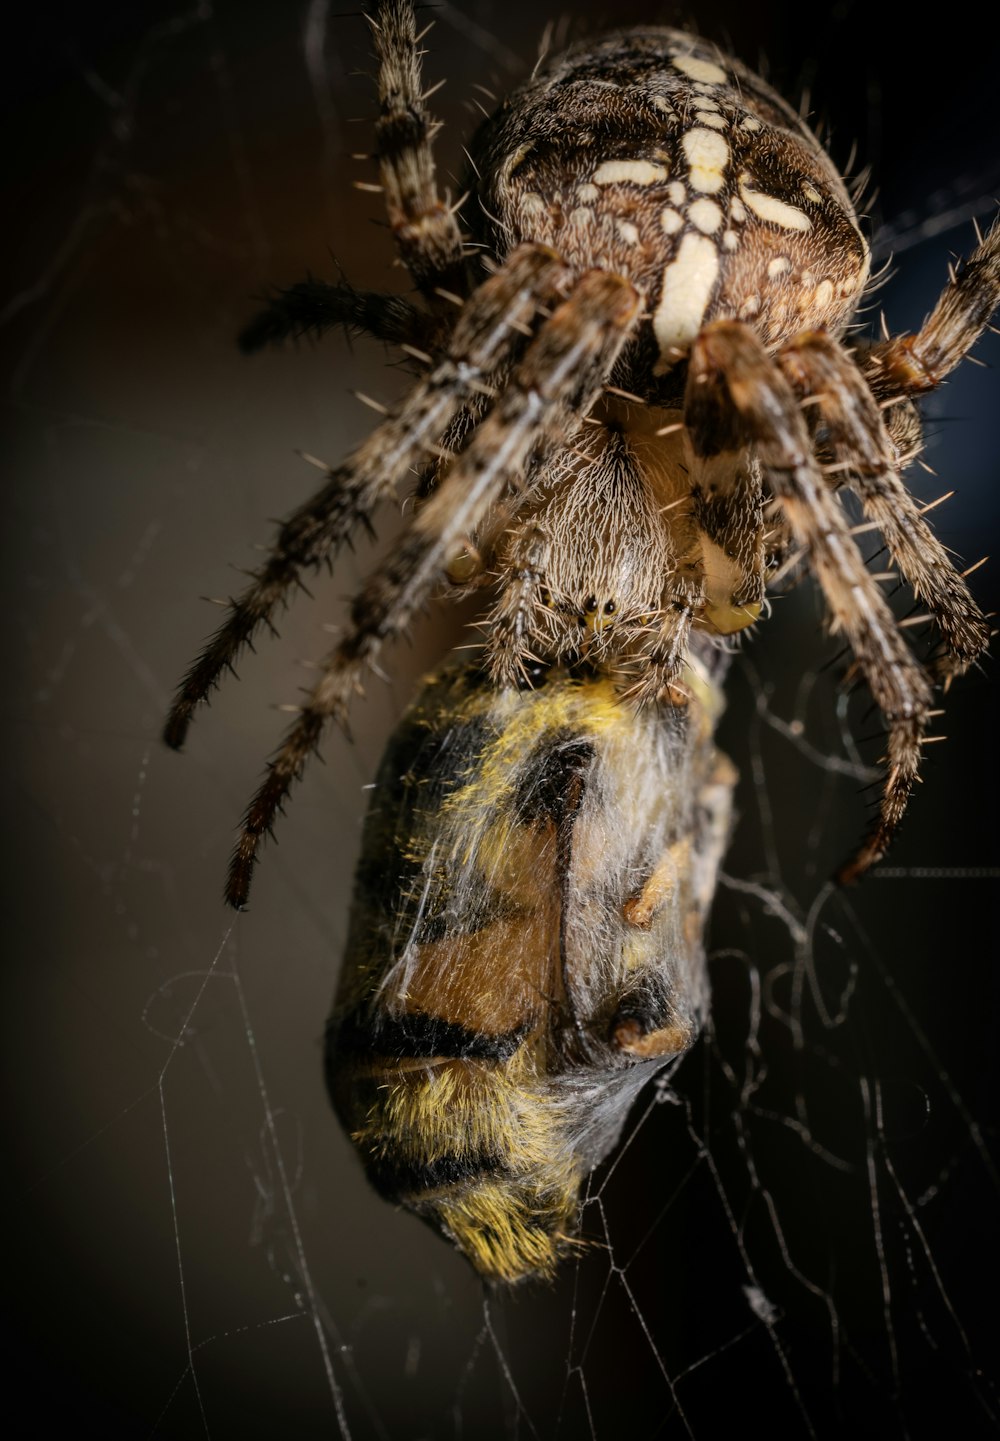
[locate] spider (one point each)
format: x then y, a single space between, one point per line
634 404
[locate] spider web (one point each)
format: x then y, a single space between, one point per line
801 1223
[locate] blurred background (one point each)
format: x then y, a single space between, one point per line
800 1229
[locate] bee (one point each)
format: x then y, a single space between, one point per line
525 947
634 408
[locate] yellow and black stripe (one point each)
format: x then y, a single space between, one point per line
514 952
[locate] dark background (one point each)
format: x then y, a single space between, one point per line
190 1241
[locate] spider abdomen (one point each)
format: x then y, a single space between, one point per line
649 154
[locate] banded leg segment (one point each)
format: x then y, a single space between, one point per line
745 399
488 331
558 380
514 618
650 675
915 364
312 307
854 431
427 234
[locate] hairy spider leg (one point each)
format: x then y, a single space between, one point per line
661 660
488 330
855 433
914 364
427 233
557 381
312 307
745 399
509 659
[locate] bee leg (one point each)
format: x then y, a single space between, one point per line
635 1031
647 1023
737 395
854 431
673 865
487 331
559 378
712 832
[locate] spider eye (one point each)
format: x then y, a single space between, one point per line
596 613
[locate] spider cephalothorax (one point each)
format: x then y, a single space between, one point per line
654 216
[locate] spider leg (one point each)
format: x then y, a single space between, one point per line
728 513
427 234
426 231
650 674
559 378
488 329
717 575
854 431
661 658
914 364
312 307
737 395
509 658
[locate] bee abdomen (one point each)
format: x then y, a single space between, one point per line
415 1035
